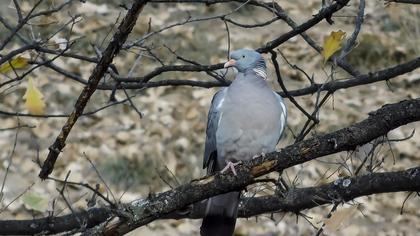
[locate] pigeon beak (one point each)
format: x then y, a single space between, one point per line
230 63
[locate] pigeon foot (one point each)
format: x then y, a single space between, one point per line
230 165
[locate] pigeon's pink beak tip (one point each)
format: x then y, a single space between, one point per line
230 63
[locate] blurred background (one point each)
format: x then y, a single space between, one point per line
137 156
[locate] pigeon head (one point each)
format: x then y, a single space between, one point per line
246 59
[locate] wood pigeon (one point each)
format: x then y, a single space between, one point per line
245 120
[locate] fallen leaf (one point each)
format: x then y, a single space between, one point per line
34 201
17 63
34 99
332 44
335 222
46 20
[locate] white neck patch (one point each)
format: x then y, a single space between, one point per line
261 72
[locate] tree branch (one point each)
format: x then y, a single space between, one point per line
298 199
54 224
371 77
295 200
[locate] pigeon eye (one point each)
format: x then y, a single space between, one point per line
243 56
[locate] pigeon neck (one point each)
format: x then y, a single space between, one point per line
260 69
260 72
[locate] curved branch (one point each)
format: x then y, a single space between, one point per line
247 26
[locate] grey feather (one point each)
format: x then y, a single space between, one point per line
283 115
221 214
252 119
244 120
210 150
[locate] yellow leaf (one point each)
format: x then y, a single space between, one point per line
335 222
34 102
17 63
332 44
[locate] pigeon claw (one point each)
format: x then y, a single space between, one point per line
230 165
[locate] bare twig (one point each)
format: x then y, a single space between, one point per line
285 91
351 42
9 164
100 176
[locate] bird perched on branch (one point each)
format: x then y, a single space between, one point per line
245 120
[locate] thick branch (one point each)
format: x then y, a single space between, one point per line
295 200
337 191
298 199
54 224
112 49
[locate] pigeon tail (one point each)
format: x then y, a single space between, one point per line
221 213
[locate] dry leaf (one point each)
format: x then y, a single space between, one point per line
46 20
336 220
17 63
35 201
34 102
332 44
